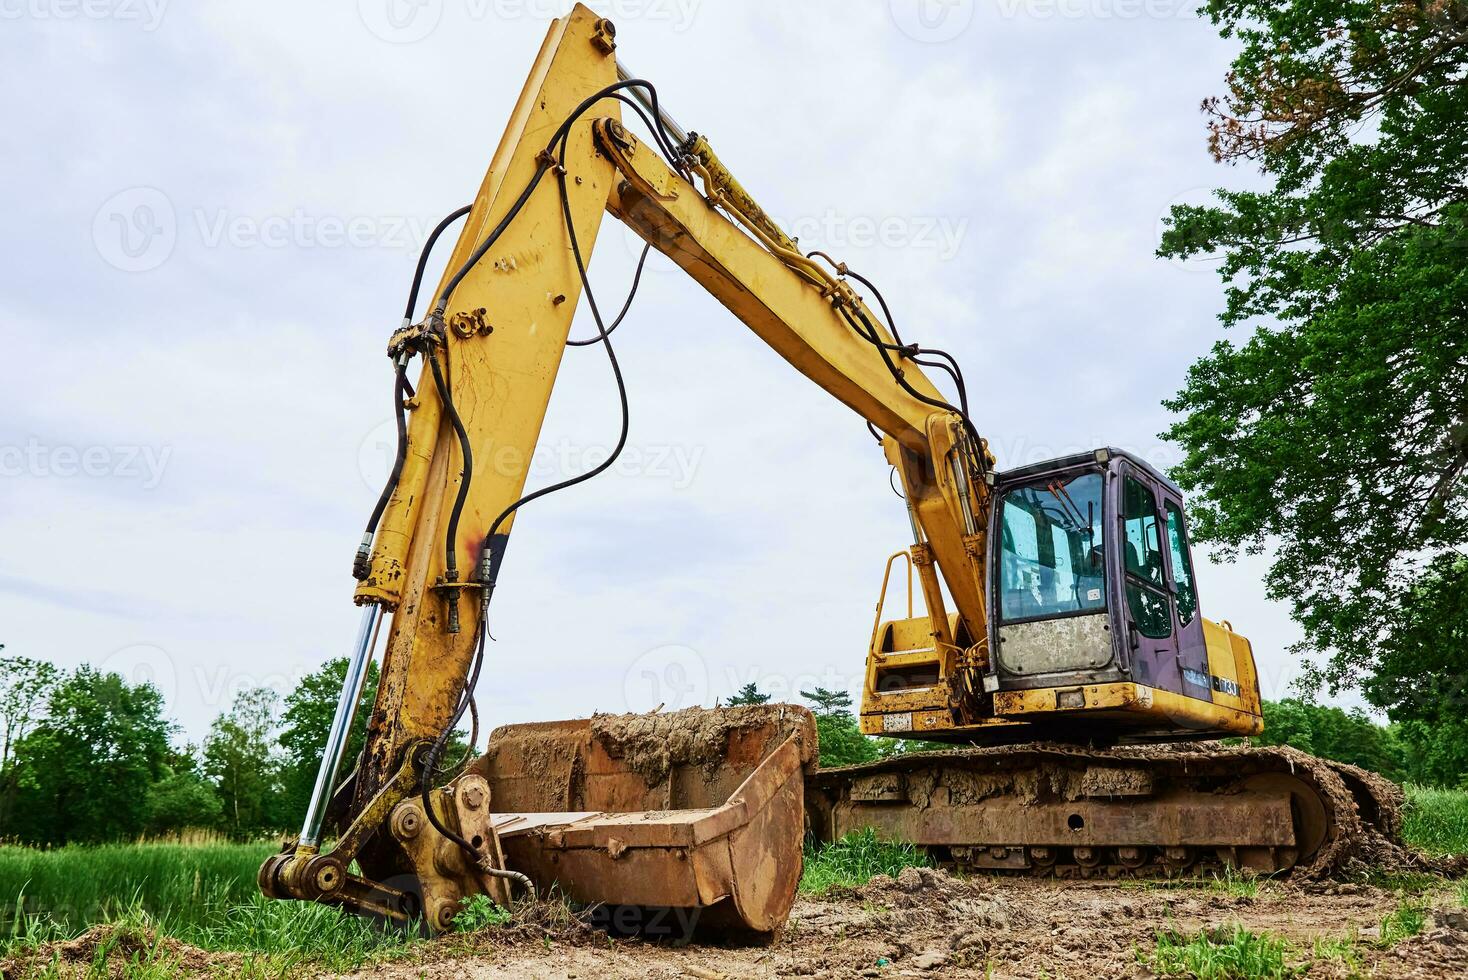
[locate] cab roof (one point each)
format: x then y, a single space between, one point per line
1020 473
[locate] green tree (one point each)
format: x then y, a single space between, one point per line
1422 680
749 694
841 742
889 747
182 798
1337 434
829 702
309 710
1334 733
25 685
238 757
84 770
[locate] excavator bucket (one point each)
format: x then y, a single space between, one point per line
700 811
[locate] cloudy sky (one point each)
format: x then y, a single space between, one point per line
213 211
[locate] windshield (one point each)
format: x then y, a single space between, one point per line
1051 557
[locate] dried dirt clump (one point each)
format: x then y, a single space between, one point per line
106 950
652 745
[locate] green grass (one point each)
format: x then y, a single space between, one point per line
1403 881
479 912
1463 894
1342 951
1235 954
1403 922
76 886
855 859
1436 820
202 895
1239 884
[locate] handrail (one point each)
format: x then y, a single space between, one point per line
882 596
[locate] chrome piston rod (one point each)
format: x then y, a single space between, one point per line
341 723
641 96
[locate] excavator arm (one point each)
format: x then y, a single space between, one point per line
1097 633
491 345
507 323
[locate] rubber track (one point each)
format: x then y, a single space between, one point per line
1349 838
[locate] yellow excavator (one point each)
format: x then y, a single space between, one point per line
1075 635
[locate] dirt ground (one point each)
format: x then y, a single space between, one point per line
927 924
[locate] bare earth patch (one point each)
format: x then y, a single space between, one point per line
926 923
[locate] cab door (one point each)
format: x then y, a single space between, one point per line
1147 605
1187 620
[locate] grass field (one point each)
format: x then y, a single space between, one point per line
205 895
854 860
1436 820
202 894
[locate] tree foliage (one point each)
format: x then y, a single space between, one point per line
83 770
239 757
182 798
749 694
1338 432
829 702
309 710
841 742
1334 733
1422 678
25 684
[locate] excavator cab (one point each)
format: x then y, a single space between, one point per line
1094 614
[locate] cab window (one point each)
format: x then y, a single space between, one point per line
1052 557
1145 582
1182 565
